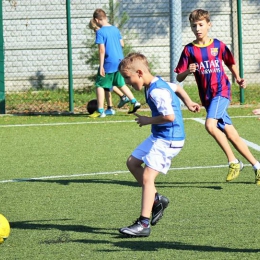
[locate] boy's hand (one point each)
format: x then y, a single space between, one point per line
102 72
141 120
192 68
194 107
241 83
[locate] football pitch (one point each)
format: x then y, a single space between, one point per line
66 191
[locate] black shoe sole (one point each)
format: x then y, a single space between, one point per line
134 110
132 236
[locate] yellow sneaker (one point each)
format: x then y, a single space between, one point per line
234 170
257 177
97 114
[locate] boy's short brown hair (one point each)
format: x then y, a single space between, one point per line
198 15
99 14
134 61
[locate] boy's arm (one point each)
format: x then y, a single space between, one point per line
234 70
182 76
101 50
122 43
147 120
182 94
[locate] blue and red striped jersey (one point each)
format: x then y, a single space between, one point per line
210 76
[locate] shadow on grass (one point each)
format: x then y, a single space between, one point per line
210 185
45 225
132 244
72 181
155 246
125 183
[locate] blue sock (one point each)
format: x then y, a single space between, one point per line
100 110
144 221
133 101
156 196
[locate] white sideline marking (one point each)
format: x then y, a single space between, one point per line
106 173
71 123
249 144
97 122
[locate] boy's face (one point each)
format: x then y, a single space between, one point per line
200 28
133 78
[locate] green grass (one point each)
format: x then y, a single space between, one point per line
65 214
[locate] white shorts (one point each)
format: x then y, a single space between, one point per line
157 153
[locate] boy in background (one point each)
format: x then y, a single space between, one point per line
110 45
123 98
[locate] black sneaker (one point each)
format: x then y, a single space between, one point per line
136 230
134 107
158 207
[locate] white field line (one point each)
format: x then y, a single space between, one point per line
71 123
95 122
249 144
107 173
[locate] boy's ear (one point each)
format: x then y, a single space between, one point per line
140 73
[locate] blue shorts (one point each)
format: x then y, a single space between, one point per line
218 110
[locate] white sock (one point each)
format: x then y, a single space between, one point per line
256 166
235 161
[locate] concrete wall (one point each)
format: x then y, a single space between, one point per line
36 39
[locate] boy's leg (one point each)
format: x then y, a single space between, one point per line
108 98
120 82
135 105
220 137
141 228
100 102
216 122
148 191
123 98
239 144
100 97
109 111
151 200
118 91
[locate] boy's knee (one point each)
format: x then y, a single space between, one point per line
133 163
129 162
211 126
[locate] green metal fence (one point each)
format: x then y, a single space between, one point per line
46 46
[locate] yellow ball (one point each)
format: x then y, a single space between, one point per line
4 228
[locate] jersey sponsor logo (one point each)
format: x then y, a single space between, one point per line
214 51
208 66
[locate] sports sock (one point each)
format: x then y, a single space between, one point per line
133 101
156 197
109 107
100 110
144 221
235 161
256 166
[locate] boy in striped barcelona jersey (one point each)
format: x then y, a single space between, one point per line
204 58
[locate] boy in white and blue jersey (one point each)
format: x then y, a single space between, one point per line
154 154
